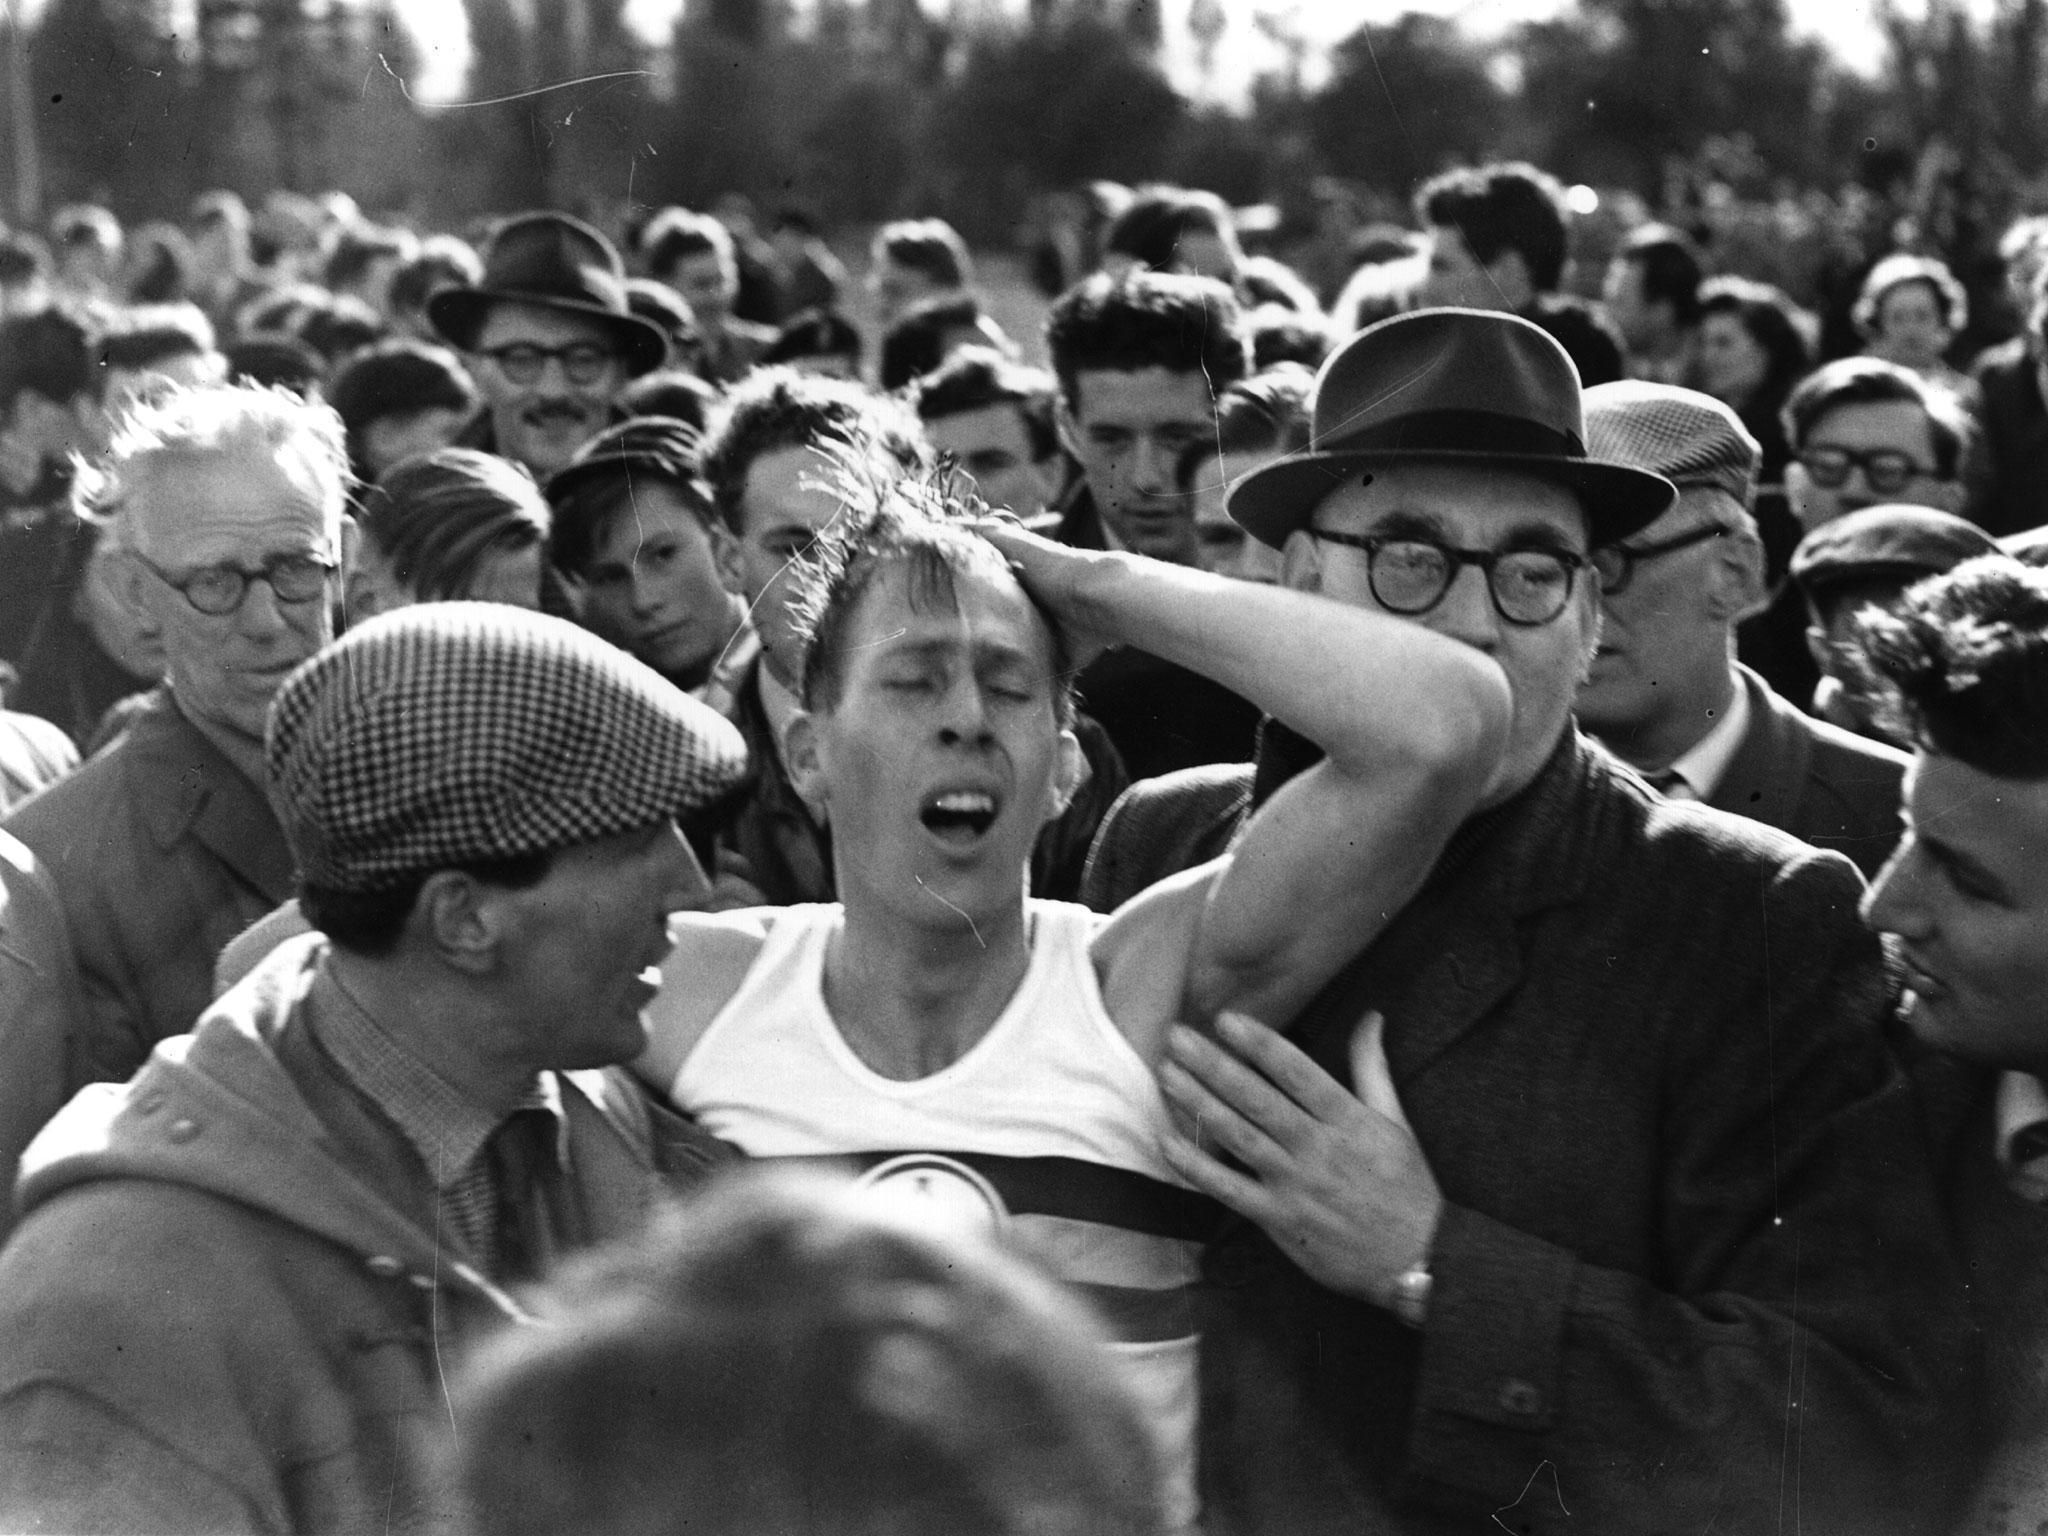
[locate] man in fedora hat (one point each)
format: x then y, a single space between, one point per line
1559 1204
549 336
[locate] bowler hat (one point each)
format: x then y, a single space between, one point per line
555 262
1455 386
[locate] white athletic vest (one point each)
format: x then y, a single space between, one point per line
1051 1115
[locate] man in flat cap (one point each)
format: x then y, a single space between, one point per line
1577 1200
237 1274
1861 560
549 336
1666 694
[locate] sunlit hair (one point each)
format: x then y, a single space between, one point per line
916 521
777 408
222 421
1873 381
782 1356
436 517
1962 665
1896 271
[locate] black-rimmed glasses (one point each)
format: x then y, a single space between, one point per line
583 362
1888 470
218 590
1410 575
1615 564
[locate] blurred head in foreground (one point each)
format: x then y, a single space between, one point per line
782 1357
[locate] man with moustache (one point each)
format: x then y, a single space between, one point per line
548 337
223 509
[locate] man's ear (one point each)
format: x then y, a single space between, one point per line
461 919
1818 648
725 555
800 755
1740 583
1068 428
1301 562
132 582
1069 774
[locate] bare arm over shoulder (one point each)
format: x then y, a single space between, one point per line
1413 726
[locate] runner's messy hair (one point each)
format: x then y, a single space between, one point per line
921 519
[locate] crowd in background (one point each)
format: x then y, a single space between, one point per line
648 432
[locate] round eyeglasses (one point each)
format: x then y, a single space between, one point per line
1887 470
583 362
1615 564
218 590
1410 575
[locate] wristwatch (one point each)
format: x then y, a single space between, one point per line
1408 1298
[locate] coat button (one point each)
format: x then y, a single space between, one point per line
385 1267
1520 1397
183 1130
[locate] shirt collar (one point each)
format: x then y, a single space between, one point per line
1702 766
444 1125
2022 1101
780 705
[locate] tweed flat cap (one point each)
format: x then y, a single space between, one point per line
1896 539
1689 438
448 734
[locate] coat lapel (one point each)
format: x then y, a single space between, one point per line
1455 952
189 789
1768 772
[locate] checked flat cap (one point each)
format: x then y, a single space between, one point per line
1689 438
450 734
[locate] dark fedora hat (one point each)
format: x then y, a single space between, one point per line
1455 386
556 262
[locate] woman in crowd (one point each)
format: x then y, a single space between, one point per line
1909 312
1755 344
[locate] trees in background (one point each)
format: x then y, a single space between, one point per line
869 108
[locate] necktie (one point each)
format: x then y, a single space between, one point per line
518 1154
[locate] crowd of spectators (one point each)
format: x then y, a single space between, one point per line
1274 1031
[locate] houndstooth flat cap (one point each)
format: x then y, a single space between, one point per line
449 734
1689 438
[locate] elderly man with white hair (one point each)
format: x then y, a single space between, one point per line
225 507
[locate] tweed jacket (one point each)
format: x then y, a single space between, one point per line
38 1001
161 851
231 1306
1690 1273
1817 781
